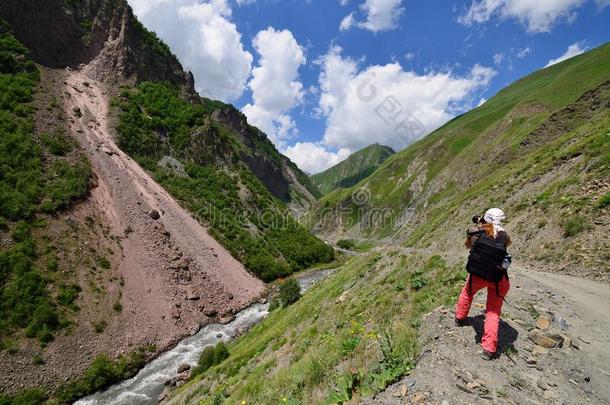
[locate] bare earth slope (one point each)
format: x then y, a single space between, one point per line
450 370
176 275
219 279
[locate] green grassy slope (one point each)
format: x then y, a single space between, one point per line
356 167
348 336
528 149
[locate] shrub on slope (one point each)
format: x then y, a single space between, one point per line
30 185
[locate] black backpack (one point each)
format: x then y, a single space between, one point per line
486 257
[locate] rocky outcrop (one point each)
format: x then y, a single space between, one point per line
277 173
174 165
101 33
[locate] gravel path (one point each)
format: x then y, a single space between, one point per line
450 370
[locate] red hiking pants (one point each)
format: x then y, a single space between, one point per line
489 342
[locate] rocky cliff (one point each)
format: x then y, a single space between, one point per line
280 175
103 34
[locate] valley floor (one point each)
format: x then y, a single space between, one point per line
451 371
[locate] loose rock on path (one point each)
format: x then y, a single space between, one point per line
554 337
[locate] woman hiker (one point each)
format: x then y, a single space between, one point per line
487 267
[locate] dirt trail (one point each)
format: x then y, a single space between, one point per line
586 305
176 275
450 370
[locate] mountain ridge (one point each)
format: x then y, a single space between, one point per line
354 168
508 140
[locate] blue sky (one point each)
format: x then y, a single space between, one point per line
305 71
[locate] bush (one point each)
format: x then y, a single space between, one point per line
349 345
58 144
9 345
99 327
117 306
102 373
574 226
274 304
28 397
289 292
346 243
603 201
44 322
68 183
417 281
210 357
21 232
103 262
37 359
68 294
52 264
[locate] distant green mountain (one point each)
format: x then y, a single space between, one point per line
359 165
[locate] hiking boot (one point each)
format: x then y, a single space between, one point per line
460 322
487 355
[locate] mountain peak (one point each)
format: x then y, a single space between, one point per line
355 168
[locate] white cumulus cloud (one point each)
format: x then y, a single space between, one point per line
205 40
313 157
275 85
537 15
388 105
379 15
573 50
